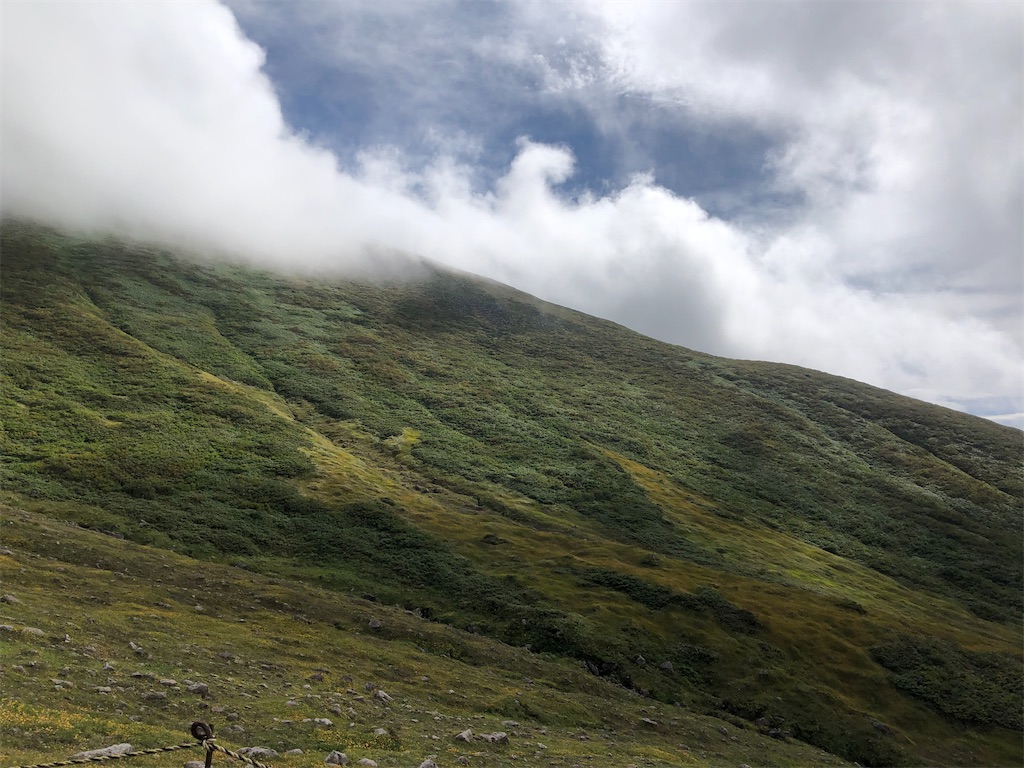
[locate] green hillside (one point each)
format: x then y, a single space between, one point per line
812 559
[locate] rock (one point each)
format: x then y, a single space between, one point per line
232 716
154 696
258 752
294 752
6 628
498 737
195 764
9 599
201 689
108 667
102 689
32 631
648 721
375 624
462 760
62 683
325 722
466 735
367 762
541 746
428 763
336 758
882 727
170 683
381 732
133 646
723 730
666 666
510 723
291 703
111 751
5 551
382 697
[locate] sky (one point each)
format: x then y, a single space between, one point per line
837 185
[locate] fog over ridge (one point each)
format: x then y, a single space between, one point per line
900 266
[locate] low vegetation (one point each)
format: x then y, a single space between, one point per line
794 552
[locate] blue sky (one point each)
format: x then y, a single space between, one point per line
832 184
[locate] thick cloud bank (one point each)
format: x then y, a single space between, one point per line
899 265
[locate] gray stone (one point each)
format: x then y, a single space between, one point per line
32 631
375 624
380 732
382 697
9 599
258 752
195 764
170 683
466 735
102 689
6 628
201 689
666 666
336 758
640 660
325 722
111 751
498 737
154 696
428 763
294 752
367 762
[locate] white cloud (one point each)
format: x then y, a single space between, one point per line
156 117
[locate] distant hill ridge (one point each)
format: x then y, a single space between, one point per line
820 559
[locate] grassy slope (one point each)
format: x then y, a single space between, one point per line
540 477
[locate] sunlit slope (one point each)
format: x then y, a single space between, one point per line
829 561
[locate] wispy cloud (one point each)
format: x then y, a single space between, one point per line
888 132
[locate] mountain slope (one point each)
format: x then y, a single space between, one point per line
811 554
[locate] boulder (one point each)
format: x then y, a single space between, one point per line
498 737
336 758
466 735
111 751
